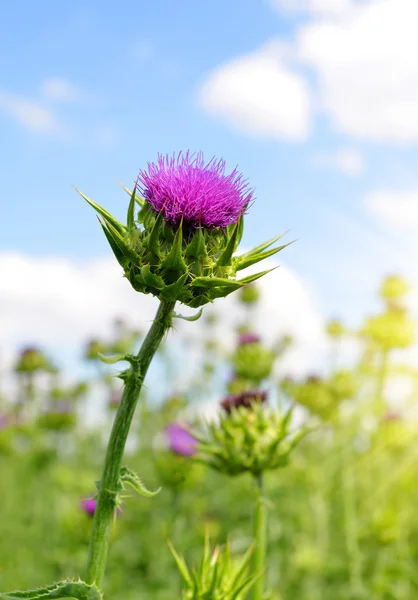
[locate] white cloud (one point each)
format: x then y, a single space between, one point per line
32 115
57 302
329 7
398 210
59 89
260 94
347 160
367 68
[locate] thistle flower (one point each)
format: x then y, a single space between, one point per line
181 245
184 189
248 338
248 441
253 361
245 399
89 506
180 441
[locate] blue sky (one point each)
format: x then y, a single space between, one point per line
90 91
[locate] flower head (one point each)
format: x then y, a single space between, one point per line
180 441
245 399
184 188
89 506
181 245
248 338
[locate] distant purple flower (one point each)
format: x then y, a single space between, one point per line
89 506
180 440
4 421
183 187
244 399
248 338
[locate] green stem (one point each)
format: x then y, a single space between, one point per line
109 484
354 558
381 381
260 535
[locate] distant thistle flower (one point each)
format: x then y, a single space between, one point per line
89 506
180 441
248 338
245 399
184 188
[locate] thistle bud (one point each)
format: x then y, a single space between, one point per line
335 329
248 438
393 329
250 294
182 243
218 576
253 361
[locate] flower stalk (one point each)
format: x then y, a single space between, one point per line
109 486
260 537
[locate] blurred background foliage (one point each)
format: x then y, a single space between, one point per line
343 519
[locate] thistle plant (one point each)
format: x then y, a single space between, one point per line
250 437
184 224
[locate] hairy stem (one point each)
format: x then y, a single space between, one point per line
260 535
109 483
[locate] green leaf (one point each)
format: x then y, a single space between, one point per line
62 589
197 246
174 260
181 565
209 282
119 255
150 278
130 218
152 243
242 262
251 278
265 245
103 212
226 256
129 477
138 199
119 240
112 359
192 318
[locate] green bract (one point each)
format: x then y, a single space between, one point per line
218 576
250 440
193 266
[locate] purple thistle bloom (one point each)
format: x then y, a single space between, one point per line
244 399
248 338
183 187
89 506
180 440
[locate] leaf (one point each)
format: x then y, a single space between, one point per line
138 199
130 218
209 282
103 212
254 277
226 256
181 565
131 478
244 262
192 318
112 359
62 589
265 245
174 260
